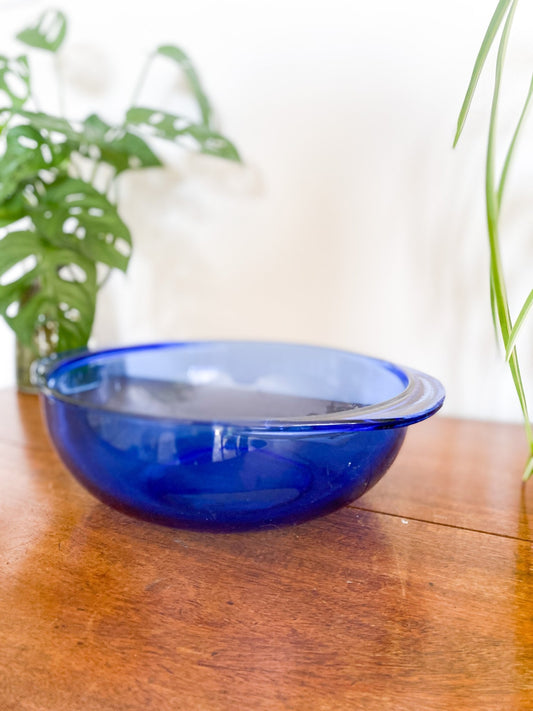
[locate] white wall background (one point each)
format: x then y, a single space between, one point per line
353 224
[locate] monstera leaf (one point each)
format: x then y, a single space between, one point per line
15 80
27 153
72 214
13 209
183 61
57 230
59 287
116 146
179 129
52 125
97 140
47 33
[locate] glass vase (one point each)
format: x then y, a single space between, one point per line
43 345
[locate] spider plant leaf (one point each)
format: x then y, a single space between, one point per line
488 39
524 311
491 195
59 287
72 214
493 309
15 80
528 471
498 286
512 145
182 59
47 33
195 136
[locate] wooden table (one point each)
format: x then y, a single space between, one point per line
418 596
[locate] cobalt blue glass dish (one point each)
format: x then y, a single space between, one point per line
230 435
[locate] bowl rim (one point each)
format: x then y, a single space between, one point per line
422 396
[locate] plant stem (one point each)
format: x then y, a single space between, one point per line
141 80
60 86
77 171
94 171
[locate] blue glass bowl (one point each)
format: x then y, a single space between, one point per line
230 435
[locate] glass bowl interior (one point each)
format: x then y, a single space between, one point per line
230 382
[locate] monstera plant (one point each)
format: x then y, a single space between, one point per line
60 227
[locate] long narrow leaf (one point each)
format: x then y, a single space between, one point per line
488 39
492 205
528 471
519 387
518 324
497 277
512 145
493 309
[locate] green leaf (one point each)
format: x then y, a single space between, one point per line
491 196
59 287
211 143
15 80
47 33
98 140
5 115
182 59
512 145
528 303
493 308
493 199
13 209
116 146
159 123
73 214
528 471
180 130
498 284
27 153
52 124
494 25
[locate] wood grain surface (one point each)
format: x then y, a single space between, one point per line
418 596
